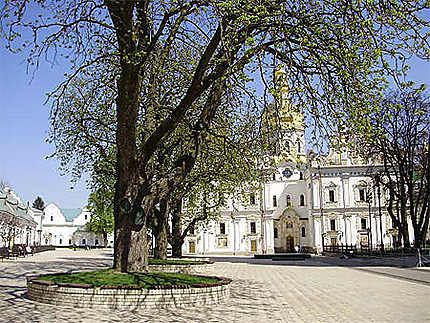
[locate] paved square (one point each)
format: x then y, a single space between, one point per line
316 290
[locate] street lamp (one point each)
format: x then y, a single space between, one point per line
369 231
378 184
321 208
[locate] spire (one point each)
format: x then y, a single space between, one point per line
281 79
290 120
290 116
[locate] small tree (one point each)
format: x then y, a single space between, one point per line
101 208
39 204
9 227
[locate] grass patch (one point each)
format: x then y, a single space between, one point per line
112 278
153 261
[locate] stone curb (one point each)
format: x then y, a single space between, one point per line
128 297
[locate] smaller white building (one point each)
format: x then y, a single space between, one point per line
66 227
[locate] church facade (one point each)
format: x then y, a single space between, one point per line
308 203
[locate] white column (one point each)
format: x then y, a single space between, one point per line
269 236
317 232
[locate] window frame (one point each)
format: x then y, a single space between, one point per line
363 221
253 227
302 200
331 195
332 224
222 228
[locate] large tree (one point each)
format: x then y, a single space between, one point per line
336 54
399 138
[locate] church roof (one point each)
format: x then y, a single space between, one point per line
11 205
71 214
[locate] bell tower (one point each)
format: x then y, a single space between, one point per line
291 122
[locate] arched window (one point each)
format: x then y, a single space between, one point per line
289 225
303 232
302 200
331 196
275 233
299 146
287 146
301 175
288 200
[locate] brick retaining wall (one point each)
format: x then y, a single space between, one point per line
183 269
130 298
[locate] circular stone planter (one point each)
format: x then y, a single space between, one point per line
127 297
188 269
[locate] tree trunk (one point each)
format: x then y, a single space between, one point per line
130 252
160 250
177 240
105 239
405 236
161 231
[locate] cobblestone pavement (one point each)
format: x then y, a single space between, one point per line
315 290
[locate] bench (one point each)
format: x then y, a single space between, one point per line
4 253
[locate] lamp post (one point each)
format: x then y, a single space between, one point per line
321 207
263 212
369 231
378 184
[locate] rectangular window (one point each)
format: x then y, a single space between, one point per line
70 241
52 218
253 228
222 228
333 225
363 224
84 242
362 195
252 199
61 241
331 195
85 216
275 201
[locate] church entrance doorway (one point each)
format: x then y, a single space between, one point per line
333 241
192 247
290 244
253 245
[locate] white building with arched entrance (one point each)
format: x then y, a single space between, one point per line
307 203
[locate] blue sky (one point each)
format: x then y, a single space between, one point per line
24 124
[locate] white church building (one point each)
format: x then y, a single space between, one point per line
307 203
62 227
